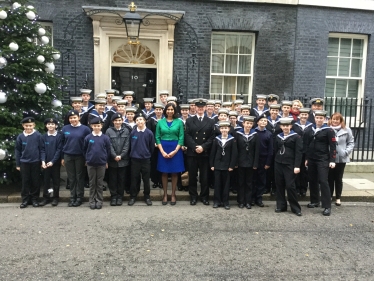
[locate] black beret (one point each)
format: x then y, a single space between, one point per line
50 120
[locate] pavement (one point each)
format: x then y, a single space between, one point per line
357 187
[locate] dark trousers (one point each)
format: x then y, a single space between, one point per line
75 169
155 175
302 177
234 182
285 180
52 173
336 179
140 168
117 178
96 177
245 185
221 187
259 180
201 164
30 174
318 174
270 177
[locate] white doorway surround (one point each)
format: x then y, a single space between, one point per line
109 34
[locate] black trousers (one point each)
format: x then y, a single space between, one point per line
117 178
302 177
76 171
140 168
155 175
234 182
221 187
270 177
52 173
285 180
259 180
318 174
245 185
201 164
336 179
30 174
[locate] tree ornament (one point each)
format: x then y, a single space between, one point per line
3 62
49 67
13 46
3 15
40 59
30 7
40 88
2 154
3 97
56 56
16 5
30 15
29 39
41 31
45 40
56 103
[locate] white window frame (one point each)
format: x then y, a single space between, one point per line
250 85
352 120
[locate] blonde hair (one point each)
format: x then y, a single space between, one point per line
299 102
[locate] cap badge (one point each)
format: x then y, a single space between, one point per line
29 120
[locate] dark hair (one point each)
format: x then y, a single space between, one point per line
175 116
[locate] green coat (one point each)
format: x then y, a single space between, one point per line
174 132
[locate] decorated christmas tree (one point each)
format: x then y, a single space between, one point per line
28 86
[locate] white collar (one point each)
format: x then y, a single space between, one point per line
26 135
54 134
137 128
97 135
77 125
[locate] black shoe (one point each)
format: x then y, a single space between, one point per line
149 202
248 206
131 202
113 202
77 203
155 185
35 204
180 188
298 213
313 205
67 186
104 187
186 188
241 206
99 206
71 203
327 212
205 202
278 210
55 202
260 204
234 191
119 202
215 205
227 207
302 193
193 202
252 203
86 185
272 192
23 204
127 191
44 202
92 206
267 191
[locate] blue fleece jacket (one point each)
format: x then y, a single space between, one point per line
142 144
51 149
28 148
73 139
97 150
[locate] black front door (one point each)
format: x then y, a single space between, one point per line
140 80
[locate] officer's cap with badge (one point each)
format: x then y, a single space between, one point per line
224 124
28 120
304 110
140 115
262 116
272 97
158 105
316 101
116 116
96 120
275 106
72 113
200 102
50 120
223 111
320 113
248 118
184 106
285 121
287 103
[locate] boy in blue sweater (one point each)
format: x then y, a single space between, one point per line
97 153
51 161
142 143
28 155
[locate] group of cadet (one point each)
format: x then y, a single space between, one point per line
269 148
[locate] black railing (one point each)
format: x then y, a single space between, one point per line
358 115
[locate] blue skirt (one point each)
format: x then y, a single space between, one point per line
170 165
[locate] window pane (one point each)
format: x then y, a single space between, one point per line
341 88
344 67
333 48
357 48
218 43
332 66
216 85
229 85
217 63
245 44
245 64
231 64
232 44
353 88
329 88
345 47
356 68
243 87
